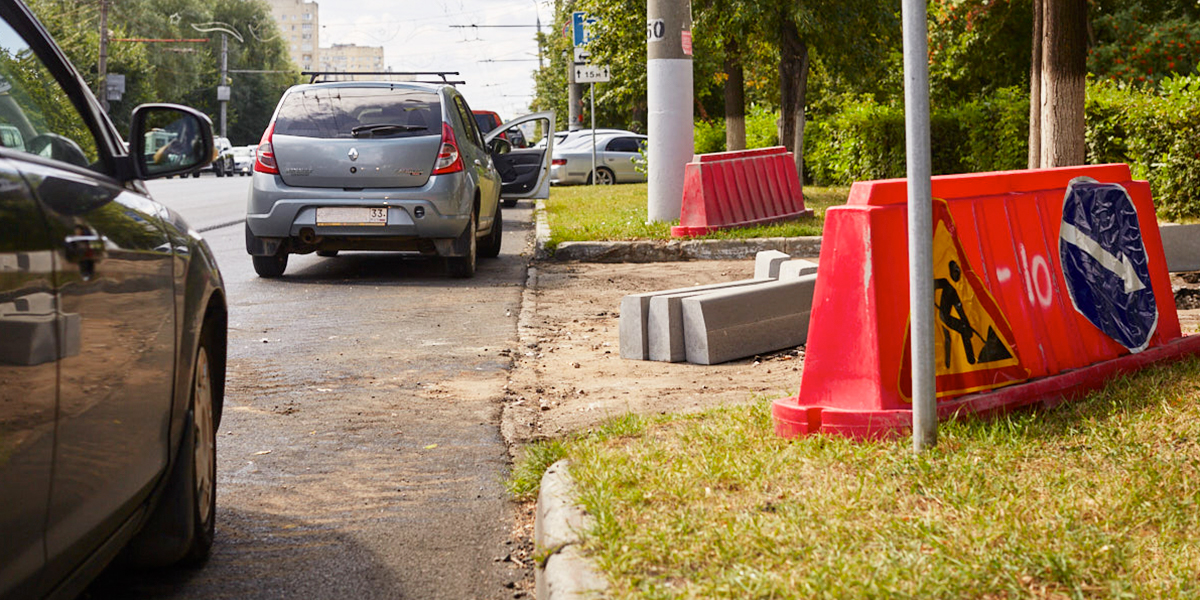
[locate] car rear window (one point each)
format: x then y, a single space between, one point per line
486 122
346 112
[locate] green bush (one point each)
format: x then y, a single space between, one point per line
1155 131
864 140
761 132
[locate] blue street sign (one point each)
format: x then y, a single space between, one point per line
581 27
1104 262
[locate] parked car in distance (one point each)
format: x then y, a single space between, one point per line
223 162
384 166
618 156
488 121
243 160
562 138
112 332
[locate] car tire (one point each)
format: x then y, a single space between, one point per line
510 202
272 266
327 253
196 174
604 176
462 267
491 244
202 452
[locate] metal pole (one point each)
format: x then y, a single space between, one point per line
592 92
224 76
102 68
668 104
920 224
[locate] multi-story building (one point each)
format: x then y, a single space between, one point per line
300 27
352 57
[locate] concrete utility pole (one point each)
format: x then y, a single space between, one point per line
102 68
224 77
669 102
920 224
574 99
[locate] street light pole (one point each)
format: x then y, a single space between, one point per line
920 224
224 77
102 68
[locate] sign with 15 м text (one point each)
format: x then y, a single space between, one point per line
581 26
1104 262
591 74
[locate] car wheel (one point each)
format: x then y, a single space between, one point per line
604 177
510 202
196 174
270 267
462 267
327 253
203 455
491 243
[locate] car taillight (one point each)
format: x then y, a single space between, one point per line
264 157
448 159
558 162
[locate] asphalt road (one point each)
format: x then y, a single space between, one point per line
360 454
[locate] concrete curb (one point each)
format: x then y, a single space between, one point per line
566 573
646 251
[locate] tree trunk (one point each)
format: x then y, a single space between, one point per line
1064 72
735 98
1035 90
793 84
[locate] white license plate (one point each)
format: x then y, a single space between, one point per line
351 215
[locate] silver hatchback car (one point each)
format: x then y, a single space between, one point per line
392 166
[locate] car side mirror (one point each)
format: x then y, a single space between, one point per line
169 139
500 145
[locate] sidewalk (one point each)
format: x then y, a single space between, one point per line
568 375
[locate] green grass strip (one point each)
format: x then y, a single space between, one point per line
619 213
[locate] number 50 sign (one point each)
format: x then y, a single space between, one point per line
656 30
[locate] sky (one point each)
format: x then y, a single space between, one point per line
417 35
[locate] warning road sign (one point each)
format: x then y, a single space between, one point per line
974 346
1104 262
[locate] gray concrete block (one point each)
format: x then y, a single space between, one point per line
634 320
1181 245
29 324
740 322
567 573
766 264
797 267
664 324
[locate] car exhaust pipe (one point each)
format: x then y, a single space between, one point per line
308 236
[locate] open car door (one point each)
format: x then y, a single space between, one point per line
524 172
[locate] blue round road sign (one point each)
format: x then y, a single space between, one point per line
1104 262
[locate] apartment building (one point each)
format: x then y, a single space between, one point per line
300 25
352 57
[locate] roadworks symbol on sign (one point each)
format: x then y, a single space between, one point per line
974 347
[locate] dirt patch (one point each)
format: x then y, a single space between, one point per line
1186 287
569 375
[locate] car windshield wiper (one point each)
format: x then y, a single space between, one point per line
384 129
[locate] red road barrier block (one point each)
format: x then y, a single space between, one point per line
737 189
1010 324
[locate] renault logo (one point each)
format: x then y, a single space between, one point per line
353 154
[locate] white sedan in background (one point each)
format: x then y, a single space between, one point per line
243 160
618 158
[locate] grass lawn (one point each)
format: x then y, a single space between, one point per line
1099 498
618 212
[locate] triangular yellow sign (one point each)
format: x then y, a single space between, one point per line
974 346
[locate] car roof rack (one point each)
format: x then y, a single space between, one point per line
328 76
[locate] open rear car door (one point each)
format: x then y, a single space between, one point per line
525 172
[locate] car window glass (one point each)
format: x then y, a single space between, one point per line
485 122
623 144
366 112
36 116
464 113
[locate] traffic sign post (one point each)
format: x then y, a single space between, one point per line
1104 262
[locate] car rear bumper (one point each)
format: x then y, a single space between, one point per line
439 210
568 174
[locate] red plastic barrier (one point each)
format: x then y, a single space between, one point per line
736 189
1008 331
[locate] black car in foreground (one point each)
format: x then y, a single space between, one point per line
112 331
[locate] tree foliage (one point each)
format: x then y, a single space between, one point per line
184 73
